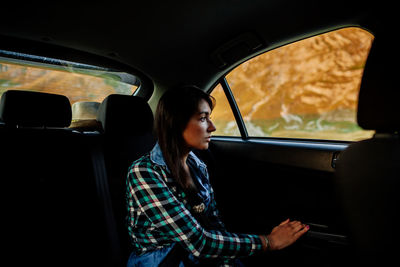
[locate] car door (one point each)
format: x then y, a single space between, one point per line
282 120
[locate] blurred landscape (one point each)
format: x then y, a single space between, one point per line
84 89
69 82
308 89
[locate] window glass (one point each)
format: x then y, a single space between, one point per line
222 115
308 89
85 86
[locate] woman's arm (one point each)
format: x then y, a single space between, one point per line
170 217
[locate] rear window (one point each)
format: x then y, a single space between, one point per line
84 85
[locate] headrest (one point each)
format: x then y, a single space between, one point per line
125 115
380 89
35 109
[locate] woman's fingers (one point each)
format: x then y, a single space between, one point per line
286 234
299 233
284 222
294 223
297 227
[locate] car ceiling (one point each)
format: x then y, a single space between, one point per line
169 42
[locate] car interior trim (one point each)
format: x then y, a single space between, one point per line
234 107
331 146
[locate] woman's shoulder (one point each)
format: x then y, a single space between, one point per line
144 158
143 161
145 171
146 164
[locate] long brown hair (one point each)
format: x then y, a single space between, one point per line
173 113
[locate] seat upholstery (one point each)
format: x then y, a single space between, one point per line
50 210
368 172
125 115
127 126
127 123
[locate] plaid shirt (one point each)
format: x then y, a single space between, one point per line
159 214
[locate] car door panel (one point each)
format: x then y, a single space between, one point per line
260 183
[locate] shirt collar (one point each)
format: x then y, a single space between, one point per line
156 156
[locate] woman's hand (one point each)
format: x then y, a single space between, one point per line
286 234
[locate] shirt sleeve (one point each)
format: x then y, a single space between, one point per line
170 217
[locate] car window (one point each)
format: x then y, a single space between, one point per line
85 86
307 89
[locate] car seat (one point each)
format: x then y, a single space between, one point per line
368 172
127 129
50 210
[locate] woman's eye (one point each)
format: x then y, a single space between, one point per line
202 119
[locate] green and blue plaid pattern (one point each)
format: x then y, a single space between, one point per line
158 216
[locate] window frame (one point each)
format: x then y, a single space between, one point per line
234 107
342 144
333 146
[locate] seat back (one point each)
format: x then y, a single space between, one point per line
127 128
368 172
51 215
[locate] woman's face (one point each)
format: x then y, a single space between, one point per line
197 133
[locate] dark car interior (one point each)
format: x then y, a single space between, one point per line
63 187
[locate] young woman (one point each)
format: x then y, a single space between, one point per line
172 214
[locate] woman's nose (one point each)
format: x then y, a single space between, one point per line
211 126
